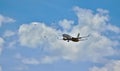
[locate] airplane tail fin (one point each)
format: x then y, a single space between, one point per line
78 35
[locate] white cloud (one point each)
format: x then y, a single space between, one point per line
90 20
112 66
95 49
8 33
66 24
48 59
30 61
4 19
25 60
1 44
113 28
34 34
1 41
35 61
102 11
12 44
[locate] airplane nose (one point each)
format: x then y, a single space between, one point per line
64 34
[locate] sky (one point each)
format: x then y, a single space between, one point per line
30 33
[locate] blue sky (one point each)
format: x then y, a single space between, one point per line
24 23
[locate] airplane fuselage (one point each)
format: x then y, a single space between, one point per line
74 39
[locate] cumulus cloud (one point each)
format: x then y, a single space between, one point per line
34 34
4 19
95 49
112 66
66 24
88 20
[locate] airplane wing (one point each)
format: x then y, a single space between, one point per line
84 36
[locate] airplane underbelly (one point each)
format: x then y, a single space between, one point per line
75 39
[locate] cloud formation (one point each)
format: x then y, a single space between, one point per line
95 49
1 44
112 66
8 33
4 20
33 35
66 24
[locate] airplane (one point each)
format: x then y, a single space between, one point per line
74 39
